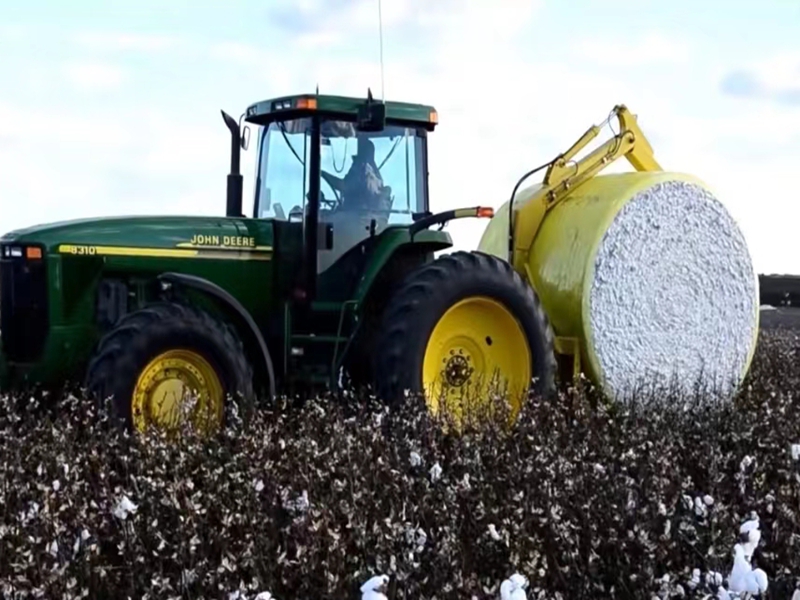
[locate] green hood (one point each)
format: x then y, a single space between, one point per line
147 231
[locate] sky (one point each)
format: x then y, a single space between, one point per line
112 107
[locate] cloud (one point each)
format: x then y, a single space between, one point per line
775 80
94 76
741 83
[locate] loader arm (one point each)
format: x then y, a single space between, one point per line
564 175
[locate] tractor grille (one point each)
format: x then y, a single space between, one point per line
23 307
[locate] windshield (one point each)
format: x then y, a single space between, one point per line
396 165
282 172
391 161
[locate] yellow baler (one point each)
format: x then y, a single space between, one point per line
559 224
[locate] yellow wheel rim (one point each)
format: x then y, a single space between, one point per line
476 357
174 386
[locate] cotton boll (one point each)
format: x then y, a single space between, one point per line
750 536
370 590
737 580
513 588
124 508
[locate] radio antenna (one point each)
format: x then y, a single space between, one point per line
380 37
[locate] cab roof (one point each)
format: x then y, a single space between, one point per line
293 106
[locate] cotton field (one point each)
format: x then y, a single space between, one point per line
345 499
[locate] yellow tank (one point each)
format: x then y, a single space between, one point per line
682 270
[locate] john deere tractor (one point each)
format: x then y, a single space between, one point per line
332 281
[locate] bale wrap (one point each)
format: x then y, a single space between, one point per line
651 275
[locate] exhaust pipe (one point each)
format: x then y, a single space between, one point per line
234 191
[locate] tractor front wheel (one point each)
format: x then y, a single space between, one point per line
466 332
168 363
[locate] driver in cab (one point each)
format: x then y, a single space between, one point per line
362 187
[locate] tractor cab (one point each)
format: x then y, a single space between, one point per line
334 173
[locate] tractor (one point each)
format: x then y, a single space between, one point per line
334 280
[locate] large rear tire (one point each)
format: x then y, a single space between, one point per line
463 331
155 357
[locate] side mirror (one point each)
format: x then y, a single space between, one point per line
244 133
371 115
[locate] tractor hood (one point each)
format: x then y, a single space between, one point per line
157 232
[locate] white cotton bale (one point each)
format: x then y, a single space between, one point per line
652 275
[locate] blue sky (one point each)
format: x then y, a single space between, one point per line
113 107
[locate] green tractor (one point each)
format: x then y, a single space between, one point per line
332 281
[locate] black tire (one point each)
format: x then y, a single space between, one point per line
428 292
140 336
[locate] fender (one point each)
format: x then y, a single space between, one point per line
245 320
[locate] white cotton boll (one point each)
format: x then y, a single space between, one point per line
370 590
699 508
415 459
259 486
750 536
513 588
493 532
714 579
796 595
757 582
695 580
746 462
795 451
56 485
708 500
436 472
124 508
53 548
264 596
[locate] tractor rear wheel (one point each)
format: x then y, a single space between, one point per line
157 359
465 331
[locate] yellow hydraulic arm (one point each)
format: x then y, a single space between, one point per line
564 175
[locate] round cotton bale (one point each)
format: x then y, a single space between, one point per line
652 275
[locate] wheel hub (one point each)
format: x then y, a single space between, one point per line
457 369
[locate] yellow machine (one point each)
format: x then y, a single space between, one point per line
558 224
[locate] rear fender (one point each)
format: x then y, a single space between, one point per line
253 340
